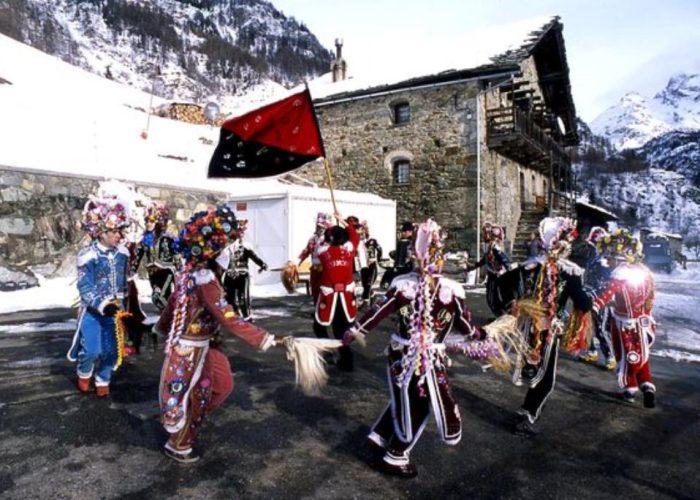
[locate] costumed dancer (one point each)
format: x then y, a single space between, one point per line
236 280
429 306
315 245
631 292
497 264
543 316
336 305
157 251
196 375
597 277
360 262
103 266
374 255
402 256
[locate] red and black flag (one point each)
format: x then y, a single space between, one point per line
272 140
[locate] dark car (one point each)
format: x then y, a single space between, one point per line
657 254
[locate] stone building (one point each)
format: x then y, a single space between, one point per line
493 136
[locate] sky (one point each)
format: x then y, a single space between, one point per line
613 46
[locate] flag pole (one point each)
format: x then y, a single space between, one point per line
326 163
327 167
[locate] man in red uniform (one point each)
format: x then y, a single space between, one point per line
631 291
336 305
316 244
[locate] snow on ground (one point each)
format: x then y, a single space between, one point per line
39 327
677 313
676 308
62 293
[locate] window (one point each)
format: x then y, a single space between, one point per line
401 170
402 113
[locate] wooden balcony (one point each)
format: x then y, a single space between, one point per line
516 135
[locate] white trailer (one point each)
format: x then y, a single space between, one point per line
282 217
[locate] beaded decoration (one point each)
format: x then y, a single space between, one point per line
120 335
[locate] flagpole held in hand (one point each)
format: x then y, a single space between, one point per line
327 166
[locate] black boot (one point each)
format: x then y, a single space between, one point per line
523 427
649 399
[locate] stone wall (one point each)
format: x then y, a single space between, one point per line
362 143
40 213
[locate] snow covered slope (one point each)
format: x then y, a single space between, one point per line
200 48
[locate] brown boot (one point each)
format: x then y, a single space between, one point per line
102 391
84 384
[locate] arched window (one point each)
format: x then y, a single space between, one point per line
401 171
402 113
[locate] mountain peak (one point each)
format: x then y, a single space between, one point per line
198 49
636 119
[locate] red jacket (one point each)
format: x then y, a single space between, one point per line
337 285
631 289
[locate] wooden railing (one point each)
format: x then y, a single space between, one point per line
509 123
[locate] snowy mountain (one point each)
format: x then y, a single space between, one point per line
678 151
199 48
635 120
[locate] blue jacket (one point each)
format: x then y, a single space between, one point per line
102 274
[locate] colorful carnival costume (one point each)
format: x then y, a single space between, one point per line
374 255
429 306
402 256
196 377
336 305
314 246
157 250
597 278
236 281
103 266
497 263
543 317
631 291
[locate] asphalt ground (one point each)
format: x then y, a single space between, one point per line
270 441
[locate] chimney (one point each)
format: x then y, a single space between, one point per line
338 65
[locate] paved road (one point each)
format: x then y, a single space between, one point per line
269 441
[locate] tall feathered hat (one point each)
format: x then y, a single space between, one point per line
429 245
104 214
207 233
621 245
556 234
158 213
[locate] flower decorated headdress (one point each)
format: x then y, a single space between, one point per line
556 234
104 214
157 212
207 233
621 245
429 246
